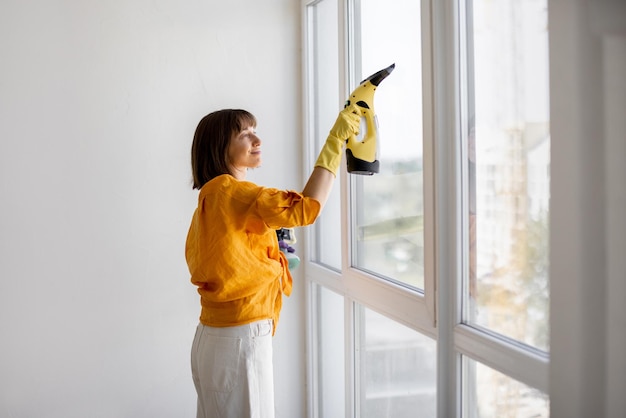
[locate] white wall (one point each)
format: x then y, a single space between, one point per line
98 104
587 225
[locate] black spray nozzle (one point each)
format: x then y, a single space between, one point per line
379 76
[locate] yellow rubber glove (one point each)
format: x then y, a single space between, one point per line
346 125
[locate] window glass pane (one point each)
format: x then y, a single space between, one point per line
324 103
488 393
330 360
388 238
508 136
397 369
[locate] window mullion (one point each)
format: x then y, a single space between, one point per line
446 149
430 285
351 360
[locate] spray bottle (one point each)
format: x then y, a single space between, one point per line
361 154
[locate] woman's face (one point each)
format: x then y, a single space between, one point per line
244 152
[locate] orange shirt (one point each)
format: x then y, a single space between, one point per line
232 250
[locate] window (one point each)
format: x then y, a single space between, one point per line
508 155
397 368
493 394
322 104
388 208
328 352
428 285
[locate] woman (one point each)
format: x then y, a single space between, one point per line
234 258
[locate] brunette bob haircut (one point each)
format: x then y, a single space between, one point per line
209 151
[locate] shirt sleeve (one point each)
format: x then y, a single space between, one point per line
277 208
286 209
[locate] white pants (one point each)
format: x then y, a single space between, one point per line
233 372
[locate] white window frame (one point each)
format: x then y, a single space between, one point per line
397 301
437 312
